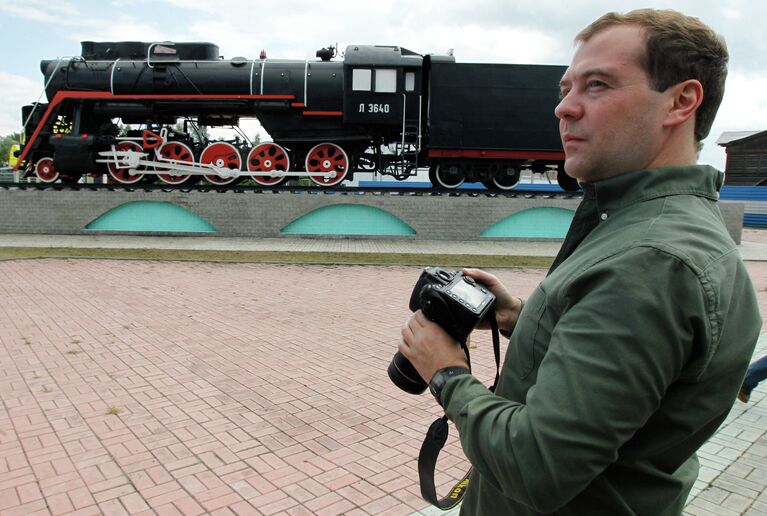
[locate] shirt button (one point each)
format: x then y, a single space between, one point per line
603 216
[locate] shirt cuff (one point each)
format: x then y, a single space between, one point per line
459 391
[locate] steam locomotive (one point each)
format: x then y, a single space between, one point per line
138 111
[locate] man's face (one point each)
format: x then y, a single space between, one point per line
610 120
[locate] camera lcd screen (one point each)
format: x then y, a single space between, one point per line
473 296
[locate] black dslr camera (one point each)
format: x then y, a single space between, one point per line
454 301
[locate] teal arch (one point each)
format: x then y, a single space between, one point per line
348 219
155 216
533 223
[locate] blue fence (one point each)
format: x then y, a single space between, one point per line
754 197
755 200
522 187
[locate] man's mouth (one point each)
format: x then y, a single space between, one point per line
567 137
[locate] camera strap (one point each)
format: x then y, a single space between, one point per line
436 438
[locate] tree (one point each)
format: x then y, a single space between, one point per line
5 145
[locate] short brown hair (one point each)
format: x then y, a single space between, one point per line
679 48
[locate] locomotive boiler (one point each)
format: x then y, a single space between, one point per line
141 111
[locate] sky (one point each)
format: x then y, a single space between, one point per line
490 31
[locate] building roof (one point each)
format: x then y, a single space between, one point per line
730 137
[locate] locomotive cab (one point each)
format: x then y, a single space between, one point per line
382 85
383 88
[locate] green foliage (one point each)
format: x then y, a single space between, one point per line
5 145
457 260
122 129
190 127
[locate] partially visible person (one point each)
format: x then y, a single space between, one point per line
756 374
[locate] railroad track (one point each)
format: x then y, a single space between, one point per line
310 190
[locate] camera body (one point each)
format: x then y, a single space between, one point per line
456 302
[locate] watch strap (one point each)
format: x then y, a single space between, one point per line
440 378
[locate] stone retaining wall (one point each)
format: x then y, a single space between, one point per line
433 217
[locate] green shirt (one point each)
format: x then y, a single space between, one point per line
624 361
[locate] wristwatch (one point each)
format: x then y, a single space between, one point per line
441 377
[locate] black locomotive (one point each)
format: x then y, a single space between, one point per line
141 111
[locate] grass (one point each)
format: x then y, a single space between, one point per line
324 258
113 411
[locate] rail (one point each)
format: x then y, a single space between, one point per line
309 190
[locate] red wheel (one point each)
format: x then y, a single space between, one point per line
126 175
45 171
327 158
221 155
175 151
267 157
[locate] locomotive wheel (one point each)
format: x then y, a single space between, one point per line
327 157
433 175
506 179
123 174
221 155
176 151
45 171
449 175
267 157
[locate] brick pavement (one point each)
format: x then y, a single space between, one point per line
188 388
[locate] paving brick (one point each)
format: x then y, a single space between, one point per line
246 392
113 507
9 498
15 478
188 506
167 497
81 498
323 501
244 508
59 503
222 501
28 509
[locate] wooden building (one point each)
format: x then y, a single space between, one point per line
746 158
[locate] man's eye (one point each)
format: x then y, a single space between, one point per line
596 84
563 94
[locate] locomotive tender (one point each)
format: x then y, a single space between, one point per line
141 111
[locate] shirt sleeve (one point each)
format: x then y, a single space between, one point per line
625 329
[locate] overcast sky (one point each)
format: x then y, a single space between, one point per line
498 31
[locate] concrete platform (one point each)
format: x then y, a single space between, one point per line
191 388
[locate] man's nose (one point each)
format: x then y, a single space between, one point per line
568 107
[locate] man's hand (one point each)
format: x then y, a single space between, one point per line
428 347
507 307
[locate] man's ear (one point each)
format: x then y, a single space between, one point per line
686 97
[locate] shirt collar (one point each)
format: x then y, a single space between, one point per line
642 185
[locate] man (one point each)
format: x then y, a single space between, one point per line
755 375
628 356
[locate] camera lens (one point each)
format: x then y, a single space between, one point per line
403 375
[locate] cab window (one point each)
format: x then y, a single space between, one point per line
409 81
386 80
361 79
